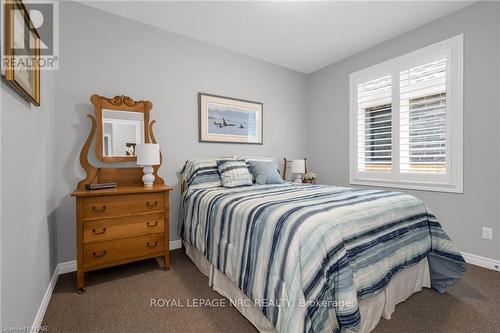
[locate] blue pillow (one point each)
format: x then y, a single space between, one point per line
265 172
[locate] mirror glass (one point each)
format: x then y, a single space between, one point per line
121 132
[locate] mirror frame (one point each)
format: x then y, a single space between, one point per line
118 103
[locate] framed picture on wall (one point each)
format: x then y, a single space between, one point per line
229 120
22 51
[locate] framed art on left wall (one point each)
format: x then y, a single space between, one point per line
21 60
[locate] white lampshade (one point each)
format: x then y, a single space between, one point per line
298 166
148 153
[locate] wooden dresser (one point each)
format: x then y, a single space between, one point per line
130 222
121 225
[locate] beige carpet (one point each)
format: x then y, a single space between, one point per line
118 299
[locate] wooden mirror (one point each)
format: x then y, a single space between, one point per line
122 123
122 108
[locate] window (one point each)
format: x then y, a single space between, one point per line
406 120
378 138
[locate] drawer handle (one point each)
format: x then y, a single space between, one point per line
152 203
153 245
102 209
149 224
100 232
99 255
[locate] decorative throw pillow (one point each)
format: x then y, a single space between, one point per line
234 173
265 172
202 173
249 159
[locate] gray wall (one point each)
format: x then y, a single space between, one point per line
462 215
109 55
28 237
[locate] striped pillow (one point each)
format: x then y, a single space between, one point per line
234 173
202 173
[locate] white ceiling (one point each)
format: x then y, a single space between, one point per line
303 36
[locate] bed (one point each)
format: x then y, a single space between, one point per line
313 258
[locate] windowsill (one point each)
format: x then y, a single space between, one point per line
433 187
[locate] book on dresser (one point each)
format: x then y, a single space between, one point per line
131 221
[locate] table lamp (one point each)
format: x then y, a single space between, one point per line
148 154
298 168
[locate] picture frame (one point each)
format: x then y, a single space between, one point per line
230 120
22 63
130 148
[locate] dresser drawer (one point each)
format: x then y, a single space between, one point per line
96 255
121 205
122 227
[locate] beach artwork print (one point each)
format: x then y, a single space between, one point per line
224 119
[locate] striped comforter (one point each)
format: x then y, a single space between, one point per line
307 254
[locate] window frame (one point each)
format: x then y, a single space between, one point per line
452 181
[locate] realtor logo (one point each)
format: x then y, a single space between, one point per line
31 28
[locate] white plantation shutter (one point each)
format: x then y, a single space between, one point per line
374 129
422 127
406 120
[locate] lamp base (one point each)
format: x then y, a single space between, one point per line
148 178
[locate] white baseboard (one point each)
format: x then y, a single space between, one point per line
70 266
45 301
481 261
176 244
66 267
